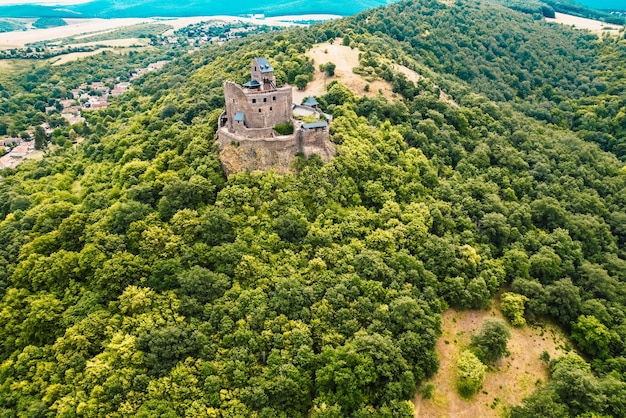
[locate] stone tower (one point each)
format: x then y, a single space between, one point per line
254 108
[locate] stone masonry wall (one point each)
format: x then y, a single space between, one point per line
277 143
261 109
313 138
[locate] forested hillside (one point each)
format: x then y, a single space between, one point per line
138 281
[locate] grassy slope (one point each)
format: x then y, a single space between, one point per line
513 378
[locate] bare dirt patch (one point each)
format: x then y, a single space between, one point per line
514 378
36 155
345 58
410 74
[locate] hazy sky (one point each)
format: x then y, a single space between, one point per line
47 2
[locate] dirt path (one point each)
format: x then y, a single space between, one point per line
514 378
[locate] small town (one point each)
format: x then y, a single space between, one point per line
96 95
93 96
195 35
214 32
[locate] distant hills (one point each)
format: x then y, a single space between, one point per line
149 8
169 8
597 10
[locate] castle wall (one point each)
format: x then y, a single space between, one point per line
262 109
249 134
276 143
313 138
307 141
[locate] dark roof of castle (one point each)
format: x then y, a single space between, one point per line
239 117
264 65
311 101
314 125
252 83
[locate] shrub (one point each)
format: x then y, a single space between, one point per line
284 128
428 390
301 81
513 308
470 374
489 345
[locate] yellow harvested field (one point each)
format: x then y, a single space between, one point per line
271 21
583 23
115 43
63 59
89 27
90 34
513 378
74 27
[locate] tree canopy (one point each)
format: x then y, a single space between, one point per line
136 279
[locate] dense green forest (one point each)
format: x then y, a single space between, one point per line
137 280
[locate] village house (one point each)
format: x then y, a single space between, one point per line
17 154
99 86
11 142
157 65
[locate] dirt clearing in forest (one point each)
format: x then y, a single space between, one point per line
345 58
513 378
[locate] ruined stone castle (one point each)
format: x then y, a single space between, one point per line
253 129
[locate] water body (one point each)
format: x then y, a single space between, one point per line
174 8
605 4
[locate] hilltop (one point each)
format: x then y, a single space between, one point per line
485 179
